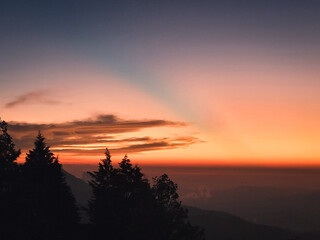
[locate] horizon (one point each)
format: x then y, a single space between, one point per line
144 159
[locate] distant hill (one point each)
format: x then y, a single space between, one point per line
285 208
223 226
81 191
218 225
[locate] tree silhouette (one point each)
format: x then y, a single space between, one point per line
106 207
8 154
126 207
50 209
8 182
174 218
100 206
138 204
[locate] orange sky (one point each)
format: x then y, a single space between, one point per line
225 118
210 83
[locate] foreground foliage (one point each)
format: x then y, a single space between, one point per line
49 207
124 200
36 202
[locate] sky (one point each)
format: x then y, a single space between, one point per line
166 82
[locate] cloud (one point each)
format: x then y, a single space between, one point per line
32 97
102 124
93 135
151 145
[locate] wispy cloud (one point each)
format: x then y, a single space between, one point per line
91 136
32 97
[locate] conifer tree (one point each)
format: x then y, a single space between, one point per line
106 209
8 157
49 204
102 184
124 206
9 175
131 179
8 153
137 202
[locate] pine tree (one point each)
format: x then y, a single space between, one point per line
41 154
106 209
102 186
9 175
50 208
137 204
131 179
8 154
124 206
8 157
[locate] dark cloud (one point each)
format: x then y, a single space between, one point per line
158 144
102 124
151 144
91 136
60 133
32 97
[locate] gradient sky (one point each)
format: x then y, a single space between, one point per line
198 82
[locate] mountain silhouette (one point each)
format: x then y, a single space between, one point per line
218 225
292 209
81 191
224 226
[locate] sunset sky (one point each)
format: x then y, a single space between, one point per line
167 82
